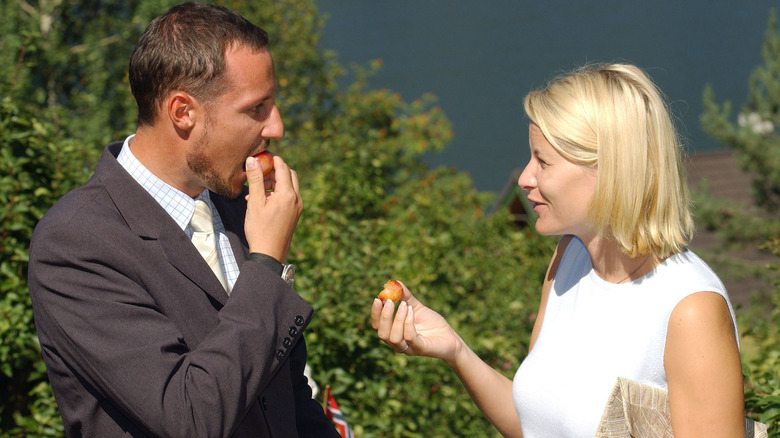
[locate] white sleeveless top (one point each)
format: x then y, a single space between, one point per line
595 331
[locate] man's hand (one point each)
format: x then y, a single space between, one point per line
273 208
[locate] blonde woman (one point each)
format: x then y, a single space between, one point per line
623 296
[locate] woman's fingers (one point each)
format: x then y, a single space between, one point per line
393 327
410 332
376 311
397 330
385 321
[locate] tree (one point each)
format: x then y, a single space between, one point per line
40 161
755 143
373 213
373 210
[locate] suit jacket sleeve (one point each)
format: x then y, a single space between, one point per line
309 414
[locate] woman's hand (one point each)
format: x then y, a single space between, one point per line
415 329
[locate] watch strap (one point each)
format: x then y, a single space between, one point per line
268 261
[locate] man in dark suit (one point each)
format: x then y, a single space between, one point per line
142 335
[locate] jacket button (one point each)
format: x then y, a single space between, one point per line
279 354
293 331
287 342
299 320
262 402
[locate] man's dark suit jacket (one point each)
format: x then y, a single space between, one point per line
139 337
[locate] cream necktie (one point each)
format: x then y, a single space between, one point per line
204 240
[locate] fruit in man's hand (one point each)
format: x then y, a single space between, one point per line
266 161
392 291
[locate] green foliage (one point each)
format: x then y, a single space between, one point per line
61 97
754 140
755 143
373 210
72 57
36 168
762 358
305 76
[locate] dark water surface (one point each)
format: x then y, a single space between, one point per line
480 58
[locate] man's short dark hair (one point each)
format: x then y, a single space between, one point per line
184 49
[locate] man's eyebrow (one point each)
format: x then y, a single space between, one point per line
260 100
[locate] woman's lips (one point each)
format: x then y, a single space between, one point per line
536 205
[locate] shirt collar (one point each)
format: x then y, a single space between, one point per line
175 202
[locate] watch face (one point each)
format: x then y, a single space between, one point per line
288 274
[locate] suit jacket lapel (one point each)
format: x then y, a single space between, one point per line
152 223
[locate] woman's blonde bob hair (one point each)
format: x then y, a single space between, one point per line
614 119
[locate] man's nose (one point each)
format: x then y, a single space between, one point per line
274 128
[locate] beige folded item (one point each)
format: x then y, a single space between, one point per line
637 410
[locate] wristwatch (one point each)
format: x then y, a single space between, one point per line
288 274
286 271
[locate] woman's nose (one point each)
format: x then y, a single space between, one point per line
527 180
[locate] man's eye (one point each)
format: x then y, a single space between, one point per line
260 110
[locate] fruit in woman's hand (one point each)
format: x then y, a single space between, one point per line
392 291
266 161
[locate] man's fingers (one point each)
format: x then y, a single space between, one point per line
269 182
282 173
254 176
294 178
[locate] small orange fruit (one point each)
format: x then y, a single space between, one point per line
392 291
266 161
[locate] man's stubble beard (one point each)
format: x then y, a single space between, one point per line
199 163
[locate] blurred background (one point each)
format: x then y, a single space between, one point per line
480 58
397 188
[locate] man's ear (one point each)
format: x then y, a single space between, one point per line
182 112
